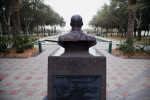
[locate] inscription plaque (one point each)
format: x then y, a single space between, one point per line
76 87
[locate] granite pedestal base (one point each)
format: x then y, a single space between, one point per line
72 72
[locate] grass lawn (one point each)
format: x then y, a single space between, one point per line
116 37
144 40
136 54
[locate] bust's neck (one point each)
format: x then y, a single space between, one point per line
76 28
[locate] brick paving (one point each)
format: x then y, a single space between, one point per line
26 78
126 78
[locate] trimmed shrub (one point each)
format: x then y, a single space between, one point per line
22 43
4 44
127 47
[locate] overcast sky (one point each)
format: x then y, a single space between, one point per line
86 8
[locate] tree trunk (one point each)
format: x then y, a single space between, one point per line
135 32
147 33
55 30
26 30
44 31
29 31
101 31
125 34
37 31
144 32
1 31
117 32
23 31
139 34
52 30
121 30
8 26
122 34
131 16
32 31
111 34
106 32
16 18
97 31
130 22
7 18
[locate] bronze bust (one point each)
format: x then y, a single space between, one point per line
76 39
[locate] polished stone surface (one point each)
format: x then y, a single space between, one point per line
77 65
76 87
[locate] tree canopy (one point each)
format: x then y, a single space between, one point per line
33 13
115 15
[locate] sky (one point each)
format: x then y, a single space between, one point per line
85 8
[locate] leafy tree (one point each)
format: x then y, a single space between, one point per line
118 14
101 19
27 14
111 16
145 19
125 15
62 23
6 12
142 7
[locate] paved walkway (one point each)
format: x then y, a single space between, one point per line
26 78
127 79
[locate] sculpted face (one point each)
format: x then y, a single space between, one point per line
76 21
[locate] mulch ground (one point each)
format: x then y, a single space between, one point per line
27 53
145 55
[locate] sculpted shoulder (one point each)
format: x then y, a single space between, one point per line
63 37
76 36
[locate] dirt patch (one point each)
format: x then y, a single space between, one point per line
145 55
27 53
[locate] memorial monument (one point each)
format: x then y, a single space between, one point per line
76 74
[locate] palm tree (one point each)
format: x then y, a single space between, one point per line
131 16
16 18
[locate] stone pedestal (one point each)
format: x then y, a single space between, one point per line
76 64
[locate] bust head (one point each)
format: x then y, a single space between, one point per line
76 39
76 21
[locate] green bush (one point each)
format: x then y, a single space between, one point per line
127 47
18 43
4 45
22 43
144 47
